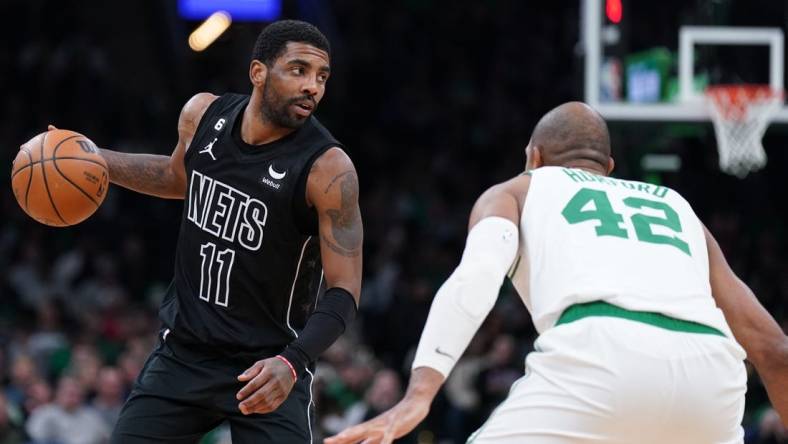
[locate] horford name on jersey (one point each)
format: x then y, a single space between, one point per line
225 212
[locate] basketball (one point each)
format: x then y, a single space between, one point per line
59 178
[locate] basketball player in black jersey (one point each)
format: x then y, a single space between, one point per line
270 220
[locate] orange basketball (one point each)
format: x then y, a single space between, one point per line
59 178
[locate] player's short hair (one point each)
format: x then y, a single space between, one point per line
570 133
273 38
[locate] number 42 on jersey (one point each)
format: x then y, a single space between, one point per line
610 221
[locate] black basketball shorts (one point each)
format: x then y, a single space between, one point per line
182 393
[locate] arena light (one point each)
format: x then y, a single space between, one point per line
614 10
240 10
209 30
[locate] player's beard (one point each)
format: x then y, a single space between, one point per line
276 108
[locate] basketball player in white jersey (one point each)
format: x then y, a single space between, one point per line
621 279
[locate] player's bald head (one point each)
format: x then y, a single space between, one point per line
573 135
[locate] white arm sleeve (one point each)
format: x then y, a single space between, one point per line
469 294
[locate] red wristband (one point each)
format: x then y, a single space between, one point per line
292 369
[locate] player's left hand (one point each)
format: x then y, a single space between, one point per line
394 423
269 381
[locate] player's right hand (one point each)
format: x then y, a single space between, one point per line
394 423
268 383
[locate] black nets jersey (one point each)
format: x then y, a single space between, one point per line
247 265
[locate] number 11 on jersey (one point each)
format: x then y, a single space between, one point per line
215 273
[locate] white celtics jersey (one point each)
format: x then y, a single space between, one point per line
588 238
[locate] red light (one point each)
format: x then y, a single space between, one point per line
614 10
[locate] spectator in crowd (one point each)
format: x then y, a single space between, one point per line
771 428
11 430
37 395
84 366
68 420
110 394
445 127
463 397
23 374
385 391
500 372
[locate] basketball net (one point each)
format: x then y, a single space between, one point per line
740 114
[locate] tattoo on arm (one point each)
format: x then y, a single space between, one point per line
346 221
339 250
146 173
337 177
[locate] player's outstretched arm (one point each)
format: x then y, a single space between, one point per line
400 419
158 175
457 311
754 328
332 188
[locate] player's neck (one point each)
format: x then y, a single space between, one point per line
595 171
257 130
587 167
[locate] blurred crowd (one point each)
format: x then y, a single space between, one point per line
434 104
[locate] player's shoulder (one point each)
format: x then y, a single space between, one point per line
332 167
329 167
198 103
516 187
194 109
333 160
504 199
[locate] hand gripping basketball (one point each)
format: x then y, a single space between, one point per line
59 178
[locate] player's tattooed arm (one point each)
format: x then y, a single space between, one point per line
332 188
158 175
144 173
345 220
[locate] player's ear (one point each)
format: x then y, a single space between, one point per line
528 156
257 73
534 157
611 164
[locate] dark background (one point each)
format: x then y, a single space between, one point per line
435 101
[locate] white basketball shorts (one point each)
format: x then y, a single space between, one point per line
611 380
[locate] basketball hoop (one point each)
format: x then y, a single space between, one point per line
740 114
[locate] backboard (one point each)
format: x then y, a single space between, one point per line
627 82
